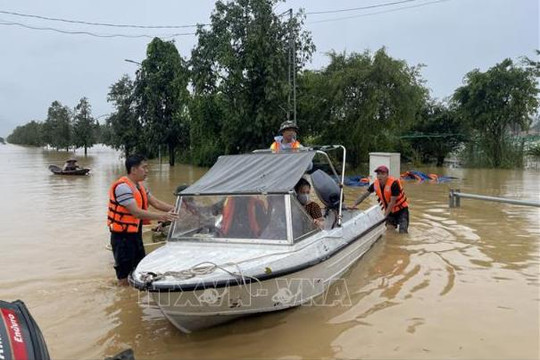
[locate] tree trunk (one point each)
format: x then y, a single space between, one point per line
85 150
440 160
171 155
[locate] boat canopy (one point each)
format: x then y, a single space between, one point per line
256 173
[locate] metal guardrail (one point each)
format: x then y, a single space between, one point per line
454 199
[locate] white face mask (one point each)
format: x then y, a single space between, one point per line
303 198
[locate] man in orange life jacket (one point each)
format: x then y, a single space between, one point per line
287 138
391 197
128 210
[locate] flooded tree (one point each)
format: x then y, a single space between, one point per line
439 131
29 134
363 101
494 103
123 130
162 96
57 127
84 126
240 76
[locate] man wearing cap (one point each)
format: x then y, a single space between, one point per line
287 138
391 197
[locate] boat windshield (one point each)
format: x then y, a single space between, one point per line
257 218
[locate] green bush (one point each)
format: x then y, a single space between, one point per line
534 150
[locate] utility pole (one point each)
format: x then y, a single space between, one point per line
291 72
289 53
293 55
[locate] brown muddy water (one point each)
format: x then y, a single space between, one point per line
464 284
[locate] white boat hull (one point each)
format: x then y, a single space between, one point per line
210 304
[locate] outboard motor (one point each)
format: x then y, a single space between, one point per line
326 189
20 337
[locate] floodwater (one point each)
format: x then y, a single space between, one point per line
464 284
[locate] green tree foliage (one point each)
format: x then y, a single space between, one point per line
123 131
84 126
363 101
57 128
240 76
28 134
162 96
439 132
495 102
2 141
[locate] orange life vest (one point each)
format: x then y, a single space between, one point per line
276 146
229 212
119 219
385 195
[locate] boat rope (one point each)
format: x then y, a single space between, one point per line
203 268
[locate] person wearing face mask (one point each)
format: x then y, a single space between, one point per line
287 138
303 189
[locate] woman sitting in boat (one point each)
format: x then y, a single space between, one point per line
303 189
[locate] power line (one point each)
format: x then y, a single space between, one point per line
359 8
98 23
378 12
88 33
2 22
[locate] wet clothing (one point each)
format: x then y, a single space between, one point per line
126 229
399 216
128 251
401 219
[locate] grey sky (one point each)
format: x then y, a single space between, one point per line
450 37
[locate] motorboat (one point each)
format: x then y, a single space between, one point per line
244 245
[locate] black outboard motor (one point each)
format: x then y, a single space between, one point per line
326 188
20 337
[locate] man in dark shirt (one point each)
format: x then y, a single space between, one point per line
391 197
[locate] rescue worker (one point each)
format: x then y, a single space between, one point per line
244 217
286 140
391 197
128 210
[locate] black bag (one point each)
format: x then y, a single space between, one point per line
20 337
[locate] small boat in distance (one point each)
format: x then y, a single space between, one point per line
58 171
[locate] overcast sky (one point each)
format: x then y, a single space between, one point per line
450 37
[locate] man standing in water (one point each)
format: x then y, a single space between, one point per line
128 211
391 197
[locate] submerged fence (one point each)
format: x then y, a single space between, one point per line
454 199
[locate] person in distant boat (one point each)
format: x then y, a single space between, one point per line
303 189
128 210
286 140
71 165
391 197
